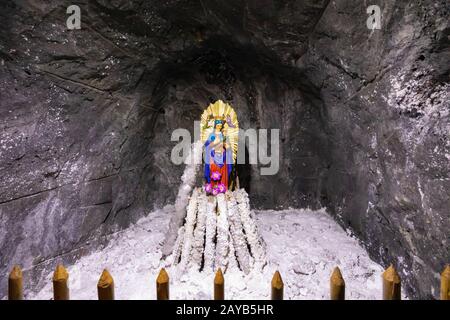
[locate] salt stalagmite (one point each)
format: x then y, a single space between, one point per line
177 247
251 232
219 232
211 225
223 241
199 232
191 216
193 162
239 242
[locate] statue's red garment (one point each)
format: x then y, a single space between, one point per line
224 174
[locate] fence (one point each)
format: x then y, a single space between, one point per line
105 285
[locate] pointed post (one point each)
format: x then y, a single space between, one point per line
391 284
105 286
277 286
60 287
337 285
219 286
15 284
162 285
445 283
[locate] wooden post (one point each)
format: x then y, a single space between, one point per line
445 283
391 284
337 285
15 284
60 287
219 286
105 286
162 285
277 287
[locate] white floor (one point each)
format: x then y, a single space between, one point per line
303 245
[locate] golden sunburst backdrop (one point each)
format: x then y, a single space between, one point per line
221 110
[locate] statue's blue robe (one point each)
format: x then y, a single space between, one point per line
226 158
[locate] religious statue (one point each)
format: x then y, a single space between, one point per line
219 128
219 230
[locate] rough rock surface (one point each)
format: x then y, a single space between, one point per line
386 96
86 118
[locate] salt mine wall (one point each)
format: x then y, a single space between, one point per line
386 99
87 116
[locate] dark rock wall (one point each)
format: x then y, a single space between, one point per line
87 115
386 96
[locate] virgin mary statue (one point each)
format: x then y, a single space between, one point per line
219 130
219 230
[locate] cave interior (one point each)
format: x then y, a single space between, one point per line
86 118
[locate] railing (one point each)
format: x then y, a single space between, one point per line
105 285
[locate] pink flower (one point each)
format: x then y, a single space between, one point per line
216 176
215 191
222 188
208 188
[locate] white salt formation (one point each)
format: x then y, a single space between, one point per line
219 232
193 162
305 246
